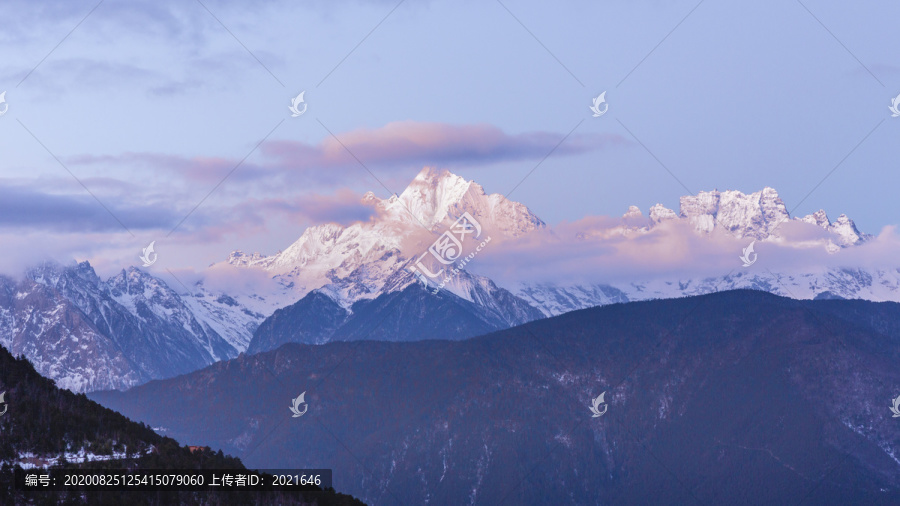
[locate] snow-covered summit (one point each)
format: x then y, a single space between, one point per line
659 213
842 232
755 215
402 228
437 195
633 212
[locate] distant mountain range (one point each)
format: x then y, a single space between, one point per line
739 397
358 282
90 334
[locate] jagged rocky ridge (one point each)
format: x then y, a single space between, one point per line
89 334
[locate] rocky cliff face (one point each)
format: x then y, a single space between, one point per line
89 334
755 215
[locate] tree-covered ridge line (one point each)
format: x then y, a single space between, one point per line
46 421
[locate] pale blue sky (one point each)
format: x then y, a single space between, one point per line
151 104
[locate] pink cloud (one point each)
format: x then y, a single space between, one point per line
395 146
413 142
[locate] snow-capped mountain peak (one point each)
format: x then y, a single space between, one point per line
659 213
432 194
843 228
755 215
436 197
402 228
818 218
847 231
633 212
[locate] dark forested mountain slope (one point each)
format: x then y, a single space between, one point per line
41 422
738 397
